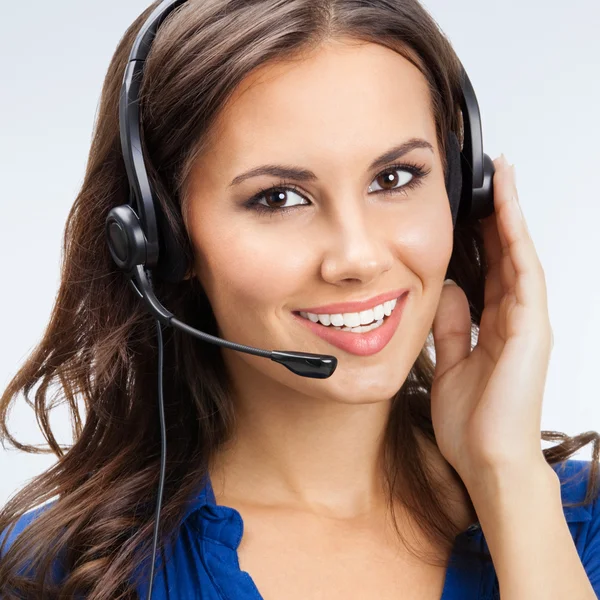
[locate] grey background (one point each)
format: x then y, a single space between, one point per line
535 68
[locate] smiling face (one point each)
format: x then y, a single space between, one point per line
332 235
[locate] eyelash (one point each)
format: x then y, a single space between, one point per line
418 171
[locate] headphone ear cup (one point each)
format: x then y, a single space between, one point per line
453 174
483 197
125 238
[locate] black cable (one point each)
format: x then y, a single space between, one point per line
163 452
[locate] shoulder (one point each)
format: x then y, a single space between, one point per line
8 536
573 473
574 476
583 519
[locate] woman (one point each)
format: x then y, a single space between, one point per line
397 476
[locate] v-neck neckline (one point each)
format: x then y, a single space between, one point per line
464 579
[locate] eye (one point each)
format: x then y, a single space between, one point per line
391 180
276 198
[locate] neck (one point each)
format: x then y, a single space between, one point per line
315 455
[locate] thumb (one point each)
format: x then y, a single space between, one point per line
451 328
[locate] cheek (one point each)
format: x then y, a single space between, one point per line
243 268
425 242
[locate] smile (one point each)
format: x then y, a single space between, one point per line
364 333
356 322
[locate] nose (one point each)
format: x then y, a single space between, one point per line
358 248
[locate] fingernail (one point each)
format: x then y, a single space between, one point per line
449 282
514 175
503 159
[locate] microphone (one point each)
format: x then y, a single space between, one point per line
317 366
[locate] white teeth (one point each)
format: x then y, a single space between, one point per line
363 328
337 320
354 320
351 319
378 312
325 319
387 307
366 316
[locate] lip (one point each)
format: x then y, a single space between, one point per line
361 344
357 306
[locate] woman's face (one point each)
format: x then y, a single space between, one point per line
341 238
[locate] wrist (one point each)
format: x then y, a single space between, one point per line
497 488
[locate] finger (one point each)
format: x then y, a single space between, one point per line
501 276
451 329
496 280
530 282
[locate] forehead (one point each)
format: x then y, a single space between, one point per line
342 96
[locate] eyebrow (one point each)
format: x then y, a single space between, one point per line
289 172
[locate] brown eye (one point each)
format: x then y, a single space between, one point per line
390 179
277 197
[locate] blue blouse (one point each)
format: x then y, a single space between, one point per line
203 562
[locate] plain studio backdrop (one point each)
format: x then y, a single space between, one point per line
535 67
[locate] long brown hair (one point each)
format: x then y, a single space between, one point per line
100 345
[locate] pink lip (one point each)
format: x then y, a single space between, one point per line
358 306
361 344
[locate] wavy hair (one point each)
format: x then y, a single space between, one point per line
98 352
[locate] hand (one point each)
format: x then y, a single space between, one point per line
486 404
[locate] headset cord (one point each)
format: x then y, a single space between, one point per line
163 452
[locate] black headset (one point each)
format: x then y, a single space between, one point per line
141 242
